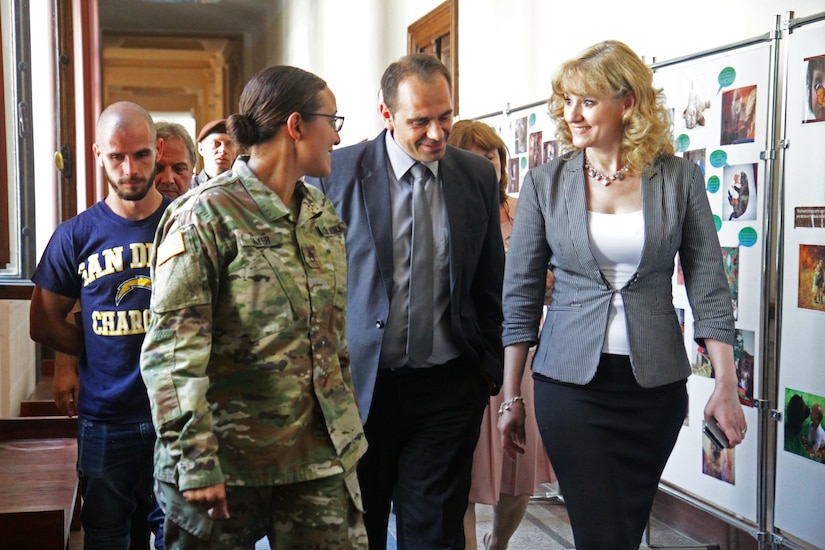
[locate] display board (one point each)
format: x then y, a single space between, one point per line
719 107
529 134
723 104
800 450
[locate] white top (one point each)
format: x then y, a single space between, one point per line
816 437
616 241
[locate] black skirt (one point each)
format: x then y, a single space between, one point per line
608 442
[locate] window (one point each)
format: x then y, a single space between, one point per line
437 33
17 170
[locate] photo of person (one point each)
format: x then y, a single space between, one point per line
804 434
738 116
520 133
811 288
743 356
534 155
551 150
701 363
730 259
717 462
816 435
814 89
740 197
696 156
513 168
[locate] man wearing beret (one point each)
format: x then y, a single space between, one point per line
217 150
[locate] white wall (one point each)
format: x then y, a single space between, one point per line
348 44
528 39
507 48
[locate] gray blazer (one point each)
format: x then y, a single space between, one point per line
551 229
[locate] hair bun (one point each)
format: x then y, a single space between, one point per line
241 129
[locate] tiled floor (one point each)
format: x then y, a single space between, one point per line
545 527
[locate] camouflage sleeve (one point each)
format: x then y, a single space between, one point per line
176 353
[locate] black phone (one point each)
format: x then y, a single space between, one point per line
715 433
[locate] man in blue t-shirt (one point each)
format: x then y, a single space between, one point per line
101 258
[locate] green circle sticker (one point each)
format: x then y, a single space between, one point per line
523 162
713 184
726 78
747 236
532 119
718 158
682 143
717 221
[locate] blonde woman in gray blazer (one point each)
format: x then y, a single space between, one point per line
609 217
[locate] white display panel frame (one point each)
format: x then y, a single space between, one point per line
715 82
800 480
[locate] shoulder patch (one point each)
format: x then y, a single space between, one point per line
170 247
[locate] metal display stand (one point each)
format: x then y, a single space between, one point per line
756 525
798 484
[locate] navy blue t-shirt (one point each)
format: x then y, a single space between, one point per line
103 260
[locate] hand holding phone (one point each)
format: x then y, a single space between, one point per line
715 433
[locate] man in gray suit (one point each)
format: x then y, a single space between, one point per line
421 397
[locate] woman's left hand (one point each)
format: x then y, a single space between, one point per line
723 405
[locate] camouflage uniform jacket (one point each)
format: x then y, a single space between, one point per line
245 360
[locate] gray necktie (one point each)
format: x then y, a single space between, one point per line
420 327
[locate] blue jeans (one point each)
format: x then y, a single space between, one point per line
115 469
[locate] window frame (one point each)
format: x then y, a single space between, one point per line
429 29
18 167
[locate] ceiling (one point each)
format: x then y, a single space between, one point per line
187 18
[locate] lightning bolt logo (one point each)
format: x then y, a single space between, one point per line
140 281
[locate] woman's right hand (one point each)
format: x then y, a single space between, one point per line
511 426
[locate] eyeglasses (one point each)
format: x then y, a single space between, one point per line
337 121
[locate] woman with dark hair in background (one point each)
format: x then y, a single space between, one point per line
246 361
505 482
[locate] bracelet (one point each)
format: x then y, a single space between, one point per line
507 405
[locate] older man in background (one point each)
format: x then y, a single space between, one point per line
175 168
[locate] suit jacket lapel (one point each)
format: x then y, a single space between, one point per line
652 185
378 206
575 197
453 199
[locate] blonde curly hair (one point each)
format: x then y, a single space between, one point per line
612 69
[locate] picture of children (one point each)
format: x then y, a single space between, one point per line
816 435
804 434
811 285
817 280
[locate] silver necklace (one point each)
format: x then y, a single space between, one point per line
601 178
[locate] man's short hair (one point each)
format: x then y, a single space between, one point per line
166 130
425 66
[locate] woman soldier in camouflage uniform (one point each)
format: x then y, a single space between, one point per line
245 360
